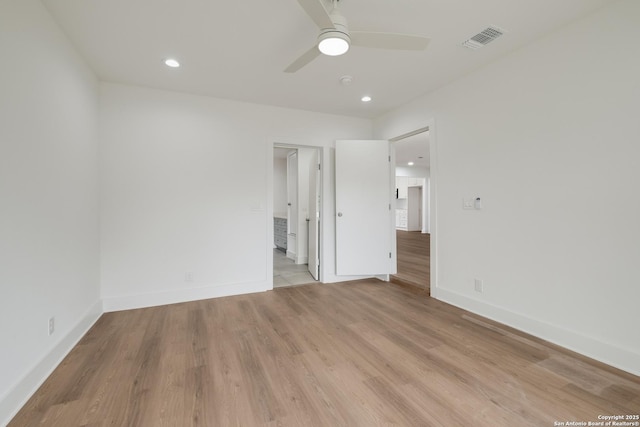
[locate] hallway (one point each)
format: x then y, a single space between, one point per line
287 273
414 260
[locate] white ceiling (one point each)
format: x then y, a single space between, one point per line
413 149
237 49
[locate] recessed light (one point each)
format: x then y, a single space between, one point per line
410 163
365 98
171 63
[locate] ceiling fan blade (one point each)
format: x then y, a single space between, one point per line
303 60
388 40
317 12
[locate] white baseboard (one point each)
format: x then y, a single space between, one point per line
20 393
129 302
610 354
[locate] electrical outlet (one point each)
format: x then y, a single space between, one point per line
478 285
52 325
188 276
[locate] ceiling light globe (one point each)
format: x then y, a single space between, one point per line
171 63
333 43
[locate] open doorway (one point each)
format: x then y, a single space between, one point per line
296 215
413 170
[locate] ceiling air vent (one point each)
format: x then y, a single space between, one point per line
483 38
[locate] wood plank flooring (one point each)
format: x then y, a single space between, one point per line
363 353
414 259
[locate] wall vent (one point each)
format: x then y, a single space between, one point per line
483 38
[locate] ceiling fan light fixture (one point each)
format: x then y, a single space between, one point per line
333 43
335 38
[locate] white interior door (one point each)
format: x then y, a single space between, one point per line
363 208
292 204
314 216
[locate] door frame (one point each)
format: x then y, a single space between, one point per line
276 143
433 211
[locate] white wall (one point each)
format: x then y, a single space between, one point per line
185 188
548 137
412 171
48 199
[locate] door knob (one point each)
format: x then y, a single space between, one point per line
339 213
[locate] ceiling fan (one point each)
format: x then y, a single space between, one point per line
335 37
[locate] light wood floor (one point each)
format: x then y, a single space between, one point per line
364 353
414 259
